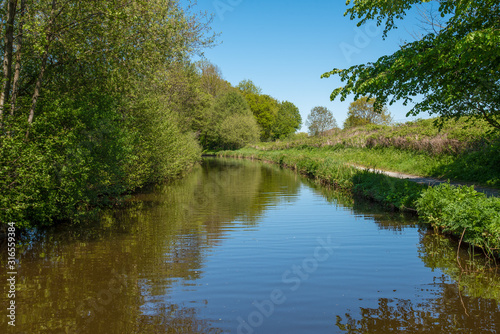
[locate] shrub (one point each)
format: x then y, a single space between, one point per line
238 130
83 154
232 124
457 209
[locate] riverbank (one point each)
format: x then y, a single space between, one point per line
456 210
464 150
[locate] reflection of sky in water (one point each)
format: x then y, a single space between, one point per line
239 239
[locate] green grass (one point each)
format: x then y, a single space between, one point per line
462 150
481 168
317 163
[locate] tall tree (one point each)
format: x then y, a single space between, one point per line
88 42
212 81
320 120
17 70
265 109
288 120
362 112
231 124
455 69
91 83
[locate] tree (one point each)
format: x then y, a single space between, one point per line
68 44
247 86
211 80
231 124
91 116
288 120
238 130
265 110
319 120
361 112
455 69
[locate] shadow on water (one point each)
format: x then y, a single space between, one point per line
117 276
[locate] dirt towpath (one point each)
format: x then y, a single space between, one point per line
429 180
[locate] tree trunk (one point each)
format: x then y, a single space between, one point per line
7 59
17 69
38 86
45 56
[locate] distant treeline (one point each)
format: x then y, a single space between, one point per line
101 98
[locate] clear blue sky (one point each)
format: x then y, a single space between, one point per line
285 46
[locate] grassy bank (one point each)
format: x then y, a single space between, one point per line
459 211
391 192
462 150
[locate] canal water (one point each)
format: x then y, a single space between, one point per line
244 247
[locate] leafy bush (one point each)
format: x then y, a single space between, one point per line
458 209
82 155
238 130
232 124
157 148
72 162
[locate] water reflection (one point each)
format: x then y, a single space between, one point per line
100 278
475 275
447 312
191 256
395 221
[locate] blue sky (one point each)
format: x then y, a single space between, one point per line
285 46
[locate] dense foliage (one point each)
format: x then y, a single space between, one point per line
463 211
455 68
276 119
101 98
84 117
232 124
288 120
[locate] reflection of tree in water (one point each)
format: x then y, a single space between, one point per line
476 276
175 319
163 236
444 314
366 209
470 305
473 308
225 193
